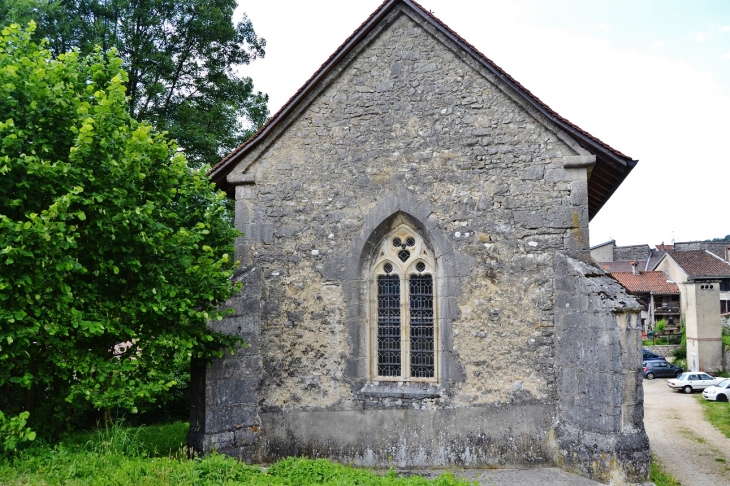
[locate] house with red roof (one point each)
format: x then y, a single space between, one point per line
703 279
656 292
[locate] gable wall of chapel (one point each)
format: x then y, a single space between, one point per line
408 126
409 115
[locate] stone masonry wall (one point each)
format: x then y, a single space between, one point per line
409 116
408 127
600 428
636 252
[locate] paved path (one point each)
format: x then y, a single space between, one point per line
513 477
691 449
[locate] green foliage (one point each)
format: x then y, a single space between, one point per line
726 238
659 477
145 441
121 456
660 326
114 253
19 11
184 60
14 432
681 352
683 332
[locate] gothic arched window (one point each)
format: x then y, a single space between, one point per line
404 333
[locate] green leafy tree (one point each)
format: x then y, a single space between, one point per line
114 254
659 327
184 59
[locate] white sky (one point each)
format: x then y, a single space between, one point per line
649 77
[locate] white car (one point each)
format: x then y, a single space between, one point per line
693 380
719 392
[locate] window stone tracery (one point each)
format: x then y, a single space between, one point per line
404 334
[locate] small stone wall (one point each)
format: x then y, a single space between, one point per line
665 350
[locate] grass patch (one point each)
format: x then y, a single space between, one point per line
718 414
148 441
153 456
659 476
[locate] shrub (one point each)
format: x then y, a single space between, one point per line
14 432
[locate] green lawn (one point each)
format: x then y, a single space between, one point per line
154 456
717 413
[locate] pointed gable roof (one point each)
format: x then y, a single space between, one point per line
611 166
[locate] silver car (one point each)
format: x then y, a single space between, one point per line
693 380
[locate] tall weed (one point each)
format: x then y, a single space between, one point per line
117 439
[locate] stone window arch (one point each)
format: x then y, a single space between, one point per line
404 334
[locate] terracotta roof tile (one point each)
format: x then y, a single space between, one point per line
646 282
701 263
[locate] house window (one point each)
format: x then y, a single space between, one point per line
403 339
725 285
724 306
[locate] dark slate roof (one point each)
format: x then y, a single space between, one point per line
623 266
700 263
646 283
603 244
634 252
611 166
654 259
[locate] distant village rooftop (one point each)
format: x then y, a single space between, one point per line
646 283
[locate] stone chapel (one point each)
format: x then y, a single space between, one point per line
417 285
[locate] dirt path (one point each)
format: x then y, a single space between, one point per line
691 449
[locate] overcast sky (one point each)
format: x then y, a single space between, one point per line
649 77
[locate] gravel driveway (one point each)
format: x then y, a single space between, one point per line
691 449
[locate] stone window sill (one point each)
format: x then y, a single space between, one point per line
401 389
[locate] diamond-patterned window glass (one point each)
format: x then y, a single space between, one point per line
422 328
389 338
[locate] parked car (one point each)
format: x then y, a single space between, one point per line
649 356
693 380
658 369
719 392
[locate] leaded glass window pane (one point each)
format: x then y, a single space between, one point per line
422 329
389 338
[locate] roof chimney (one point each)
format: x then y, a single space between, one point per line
634 268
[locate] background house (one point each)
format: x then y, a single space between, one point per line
661 297
698 269
703 279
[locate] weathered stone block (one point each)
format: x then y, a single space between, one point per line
259 232
556 217
225 419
